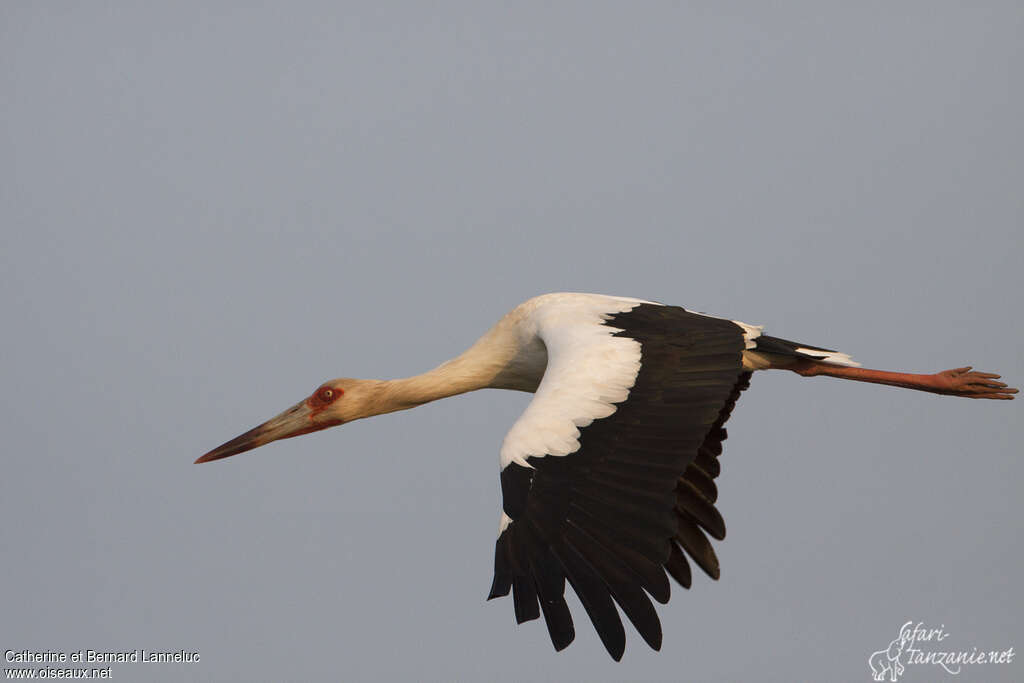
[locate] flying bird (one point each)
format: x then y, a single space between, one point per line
608 476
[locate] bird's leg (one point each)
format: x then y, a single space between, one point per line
957 382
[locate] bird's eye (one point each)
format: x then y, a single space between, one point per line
327 394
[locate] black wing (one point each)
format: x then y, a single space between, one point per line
613 516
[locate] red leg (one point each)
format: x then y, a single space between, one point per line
956 382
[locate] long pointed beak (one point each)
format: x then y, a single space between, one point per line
292 422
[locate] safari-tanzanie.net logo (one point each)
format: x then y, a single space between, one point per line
917 644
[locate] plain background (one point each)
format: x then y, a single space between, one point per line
209 208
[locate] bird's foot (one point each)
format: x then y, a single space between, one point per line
969 384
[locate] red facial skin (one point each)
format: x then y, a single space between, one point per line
318 402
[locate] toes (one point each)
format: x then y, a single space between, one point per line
981 380
1005 394
964 382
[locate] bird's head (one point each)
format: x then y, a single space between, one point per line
334 402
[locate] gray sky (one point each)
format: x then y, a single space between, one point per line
208 211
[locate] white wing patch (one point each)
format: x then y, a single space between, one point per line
588 372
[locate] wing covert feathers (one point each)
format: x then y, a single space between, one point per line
639 494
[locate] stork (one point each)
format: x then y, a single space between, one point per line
608 477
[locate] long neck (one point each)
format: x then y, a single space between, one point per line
452 378
495 360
